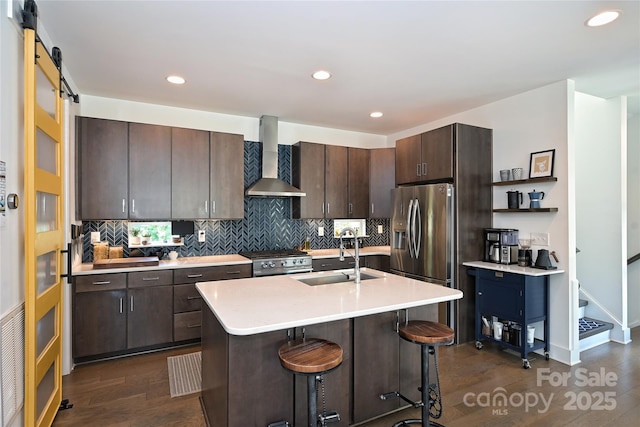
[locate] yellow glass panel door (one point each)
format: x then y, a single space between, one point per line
44 239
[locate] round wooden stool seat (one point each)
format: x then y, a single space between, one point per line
310 355
426 332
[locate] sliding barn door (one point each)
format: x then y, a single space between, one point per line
43 231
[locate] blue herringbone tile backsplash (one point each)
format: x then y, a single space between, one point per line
267 222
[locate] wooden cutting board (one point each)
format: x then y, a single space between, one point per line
126 262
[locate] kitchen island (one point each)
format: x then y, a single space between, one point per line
248 319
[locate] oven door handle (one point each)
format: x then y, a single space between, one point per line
302 270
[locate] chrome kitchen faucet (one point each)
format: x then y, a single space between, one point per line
356 255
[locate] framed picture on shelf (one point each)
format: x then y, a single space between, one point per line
541 164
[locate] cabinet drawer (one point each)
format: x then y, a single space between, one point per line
140 279
186 326
205 274
100 282
327 264
186 298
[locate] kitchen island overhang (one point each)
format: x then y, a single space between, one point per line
248 319
257 305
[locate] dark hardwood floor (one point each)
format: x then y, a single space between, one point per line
603 390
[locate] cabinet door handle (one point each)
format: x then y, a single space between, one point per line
350 208
121 305
233 272
479 293
192 298
102 282
133 205
372 209
418 170
322 208
194 326
206 206
213 206
131 302
424 169
123 204
150 278
328 208
499 274
193 276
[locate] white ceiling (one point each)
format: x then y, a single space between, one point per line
414 61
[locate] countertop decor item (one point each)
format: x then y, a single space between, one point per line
541 163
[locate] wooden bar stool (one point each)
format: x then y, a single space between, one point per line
429 335
312 357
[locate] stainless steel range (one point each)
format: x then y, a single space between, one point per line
281 261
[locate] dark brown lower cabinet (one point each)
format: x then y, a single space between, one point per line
243 383
375 365
150 317
394 362
99 322
99 314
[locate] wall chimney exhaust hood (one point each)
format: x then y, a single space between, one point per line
269 185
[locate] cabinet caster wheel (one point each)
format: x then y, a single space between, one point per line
526 364
478 345
546 355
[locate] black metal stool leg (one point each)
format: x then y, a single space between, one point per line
424 381
312 393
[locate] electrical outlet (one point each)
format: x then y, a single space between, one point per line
321 231
540 239
380 229
201 236
95 236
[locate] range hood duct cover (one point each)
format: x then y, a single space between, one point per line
269 185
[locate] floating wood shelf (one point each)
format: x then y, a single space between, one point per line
526 181
527 210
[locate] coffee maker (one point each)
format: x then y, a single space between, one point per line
501 245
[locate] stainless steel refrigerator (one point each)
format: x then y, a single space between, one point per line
422 237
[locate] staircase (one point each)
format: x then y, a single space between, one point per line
592 332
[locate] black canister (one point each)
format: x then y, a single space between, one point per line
522 258
515 335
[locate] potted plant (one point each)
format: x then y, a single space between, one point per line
135 236
146 238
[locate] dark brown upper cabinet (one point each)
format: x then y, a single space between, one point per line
426 157
307 173
381 181
149 171
226 200
359 177
102 168
336 188
189 173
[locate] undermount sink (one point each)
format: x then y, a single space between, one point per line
335 278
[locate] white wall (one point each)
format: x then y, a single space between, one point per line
601 194
633 218
11 132
11 137
535 121
288 133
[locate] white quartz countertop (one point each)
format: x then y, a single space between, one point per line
186 262
217 260
512 268
334 253
264 304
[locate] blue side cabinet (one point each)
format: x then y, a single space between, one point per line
517 301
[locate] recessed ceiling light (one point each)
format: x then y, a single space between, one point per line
176 80
376 114
603 18
321 75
